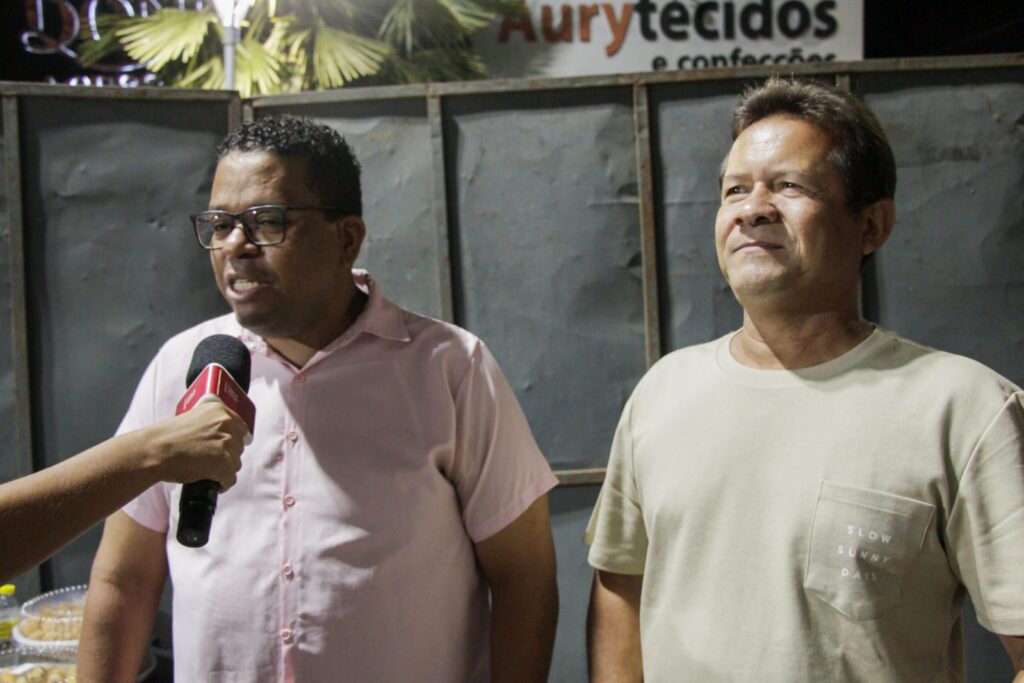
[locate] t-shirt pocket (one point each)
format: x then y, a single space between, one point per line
862 542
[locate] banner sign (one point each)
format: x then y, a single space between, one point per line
581 37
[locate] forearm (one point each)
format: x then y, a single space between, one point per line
127 579
523 620
613 629
115 634
1015 649
71 497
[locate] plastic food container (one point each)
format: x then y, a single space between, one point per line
51 664
22 664
52 620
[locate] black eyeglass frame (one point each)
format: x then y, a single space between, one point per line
237 219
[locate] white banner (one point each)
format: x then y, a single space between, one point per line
577 37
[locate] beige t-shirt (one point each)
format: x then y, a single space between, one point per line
820 524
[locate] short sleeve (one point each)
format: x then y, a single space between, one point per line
151 507
616 534
498 469
986 524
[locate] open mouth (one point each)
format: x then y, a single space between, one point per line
244 285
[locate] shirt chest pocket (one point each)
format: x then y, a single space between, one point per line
862 543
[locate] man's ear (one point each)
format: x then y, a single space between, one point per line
352 232
878 219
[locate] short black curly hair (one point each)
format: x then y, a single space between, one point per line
860 150
331 168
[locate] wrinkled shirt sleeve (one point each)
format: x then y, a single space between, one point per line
498 469
986 524
616 533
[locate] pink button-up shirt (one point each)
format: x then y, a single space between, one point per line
345 551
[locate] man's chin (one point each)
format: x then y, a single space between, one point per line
760 285
260 323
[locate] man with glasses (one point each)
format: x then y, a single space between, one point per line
390 522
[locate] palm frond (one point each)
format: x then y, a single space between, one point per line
209 75
470 15
340 57
166 36
397 26
257 69
93 51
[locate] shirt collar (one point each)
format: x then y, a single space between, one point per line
380 318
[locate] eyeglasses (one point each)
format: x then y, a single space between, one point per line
264 225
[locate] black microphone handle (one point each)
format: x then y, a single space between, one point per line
195 512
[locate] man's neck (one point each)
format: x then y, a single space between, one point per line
794 341
299 350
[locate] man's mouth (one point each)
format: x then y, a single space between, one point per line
759 245
244 285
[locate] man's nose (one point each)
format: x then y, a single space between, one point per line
237 242
758 207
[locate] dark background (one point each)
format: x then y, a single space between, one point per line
892 28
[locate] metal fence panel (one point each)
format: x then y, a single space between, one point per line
112 267
543 200
692 129
391 140
570 512
952 275
9 467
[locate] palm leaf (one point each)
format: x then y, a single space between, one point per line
167 36
339 56
91 50
397 26
209 75
257 69
470 15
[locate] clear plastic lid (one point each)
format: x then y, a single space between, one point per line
23 664
53 619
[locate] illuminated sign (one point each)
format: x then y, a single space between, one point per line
56 27
583 38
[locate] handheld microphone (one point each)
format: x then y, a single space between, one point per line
219 371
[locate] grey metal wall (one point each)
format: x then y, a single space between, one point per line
568 223
953 272
391 140
111 267
691 124
544 209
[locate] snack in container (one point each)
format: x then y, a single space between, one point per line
53 619
25 664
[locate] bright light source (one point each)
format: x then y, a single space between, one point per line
232 12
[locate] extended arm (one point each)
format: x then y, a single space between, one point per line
519 565
205 443
613 629
124 592
1015 648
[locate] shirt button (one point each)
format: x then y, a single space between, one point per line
286 636
288 572
289 501
292 436
299 379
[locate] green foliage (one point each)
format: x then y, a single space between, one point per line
292 45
